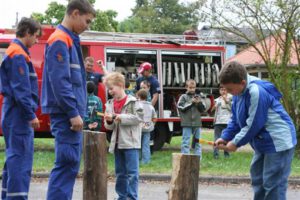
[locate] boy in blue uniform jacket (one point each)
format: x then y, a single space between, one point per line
259 118
64 96
19 87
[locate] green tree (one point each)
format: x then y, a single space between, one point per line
280 20
162 16
104 20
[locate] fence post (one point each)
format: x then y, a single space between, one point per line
185 175
95 166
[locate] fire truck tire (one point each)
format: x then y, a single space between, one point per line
161 132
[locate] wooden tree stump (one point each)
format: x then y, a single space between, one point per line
185 175
95 166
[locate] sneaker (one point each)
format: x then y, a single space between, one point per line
216 156
226 155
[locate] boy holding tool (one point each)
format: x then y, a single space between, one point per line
124 115
190 107
259 118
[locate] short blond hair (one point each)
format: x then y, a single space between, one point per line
114 78
89 59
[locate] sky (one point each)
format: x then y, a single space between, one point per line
9 9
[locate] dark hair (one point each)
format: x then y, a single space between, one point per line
127 83
90 87
190 81
83 6
142 94
233 72
28 25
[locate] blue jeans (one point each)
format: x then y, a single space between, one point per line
186 137
269 174
146 154
127 173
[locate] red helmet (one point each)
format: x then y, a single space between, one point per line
144 66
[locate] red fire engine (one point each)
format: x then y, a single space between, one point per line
174 58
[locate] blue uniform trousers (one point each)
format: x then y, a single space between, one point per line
68 147
18 137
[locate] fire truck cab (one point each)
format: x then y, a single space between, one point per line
174 60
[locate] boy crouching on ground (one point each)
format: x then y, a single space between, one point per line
124 116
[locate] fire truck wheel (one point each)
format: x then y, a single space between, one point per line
160 135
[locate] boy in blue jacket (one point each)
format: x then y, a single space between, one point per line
64 96
259 118
19 87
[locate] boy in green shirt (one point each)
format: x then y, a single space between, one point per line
92 120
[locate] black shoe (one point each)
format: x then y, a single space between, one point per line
226 155
216 156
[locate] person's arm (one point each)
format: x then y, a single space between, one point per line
98 118
102 67
20 84
154 99
182 105
21 88
257 116
232 128
155 91
200 104
58 60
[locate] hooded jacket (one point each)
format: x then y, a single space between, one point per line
130 128
259 118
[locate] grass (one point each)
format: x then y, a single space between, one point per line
161 162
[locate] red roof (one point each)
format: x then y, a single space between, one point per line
250 56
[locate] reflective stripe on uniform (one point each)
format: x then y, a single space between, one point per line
4 189
33 74
76 66
15 194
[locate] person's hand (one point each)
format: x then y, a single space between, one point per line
35 123
100 64
229 147
108 117
196 99
93 125
220 142
77 123
118 118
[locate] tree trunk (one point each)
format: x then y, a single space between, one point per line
185 175
95 166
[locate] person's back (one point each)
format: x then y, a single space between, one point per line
259 119
93 120
148 124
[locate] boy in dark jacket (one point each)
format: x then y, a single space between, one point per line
190 106
259 118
